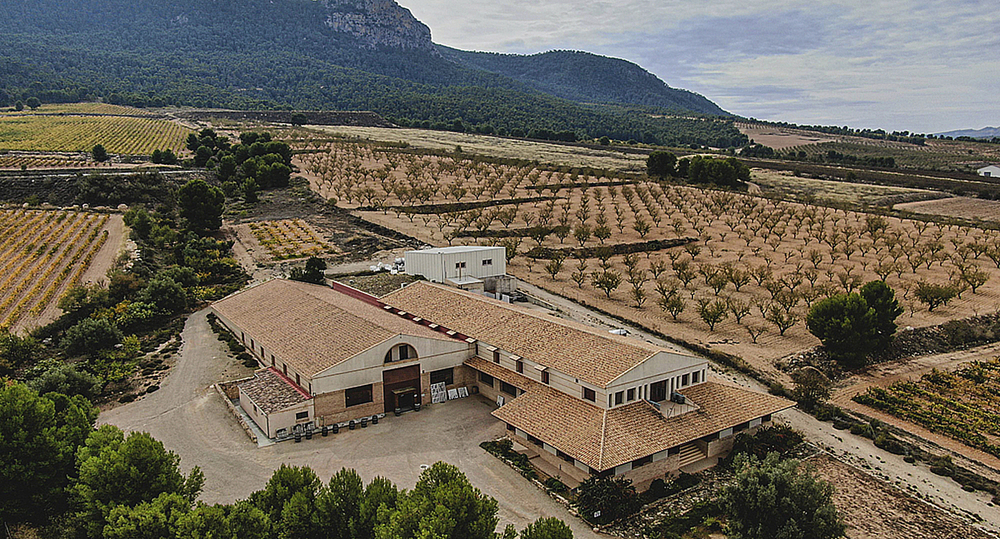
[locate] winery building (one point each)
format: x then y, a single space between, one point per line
602 403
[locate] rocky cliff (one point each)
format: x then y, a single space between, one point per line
378 23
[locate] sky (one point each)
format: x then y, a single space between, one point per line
923 66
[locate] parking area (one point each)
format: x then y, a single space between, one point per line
189 417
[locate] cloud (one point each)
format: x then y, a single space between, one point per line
920 65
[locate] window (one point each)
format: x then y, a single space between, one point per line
302 415
272 360
545 377
508 389
642 462
496 356
486 379
358 395
695 377
631 395
459 265
619 397
488 262
589 394
298 381
445 376
401 352
685 380
520 366
284 369
658 391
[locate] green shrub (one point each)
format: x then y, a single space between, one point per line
555 485
860 429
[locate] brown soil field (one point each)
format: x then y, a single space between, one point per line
875 510
780 138
784 255
961 207
508 148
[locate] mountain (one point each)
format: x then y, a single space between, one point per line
330 54
586 78
986 132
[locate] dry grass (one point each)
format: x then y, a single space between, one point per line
783 184
961 207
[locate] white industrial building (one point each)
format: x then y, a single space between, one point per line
469 267
990 171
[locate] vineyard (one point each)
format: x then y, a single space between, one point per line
118 134
743 280
43 253
34 161
88 108
964 404
288 239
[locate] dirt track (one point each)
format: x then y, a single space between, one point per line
912 369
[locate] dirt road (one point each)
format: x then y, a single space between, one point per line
189 418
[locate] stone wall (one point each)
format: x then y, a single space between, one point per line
330 408
223 389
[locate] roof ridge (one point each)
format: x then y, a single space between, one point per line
604 436
569 324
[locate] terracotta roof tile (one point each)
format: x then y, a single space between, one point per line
313 327
569 347
603 439
271 392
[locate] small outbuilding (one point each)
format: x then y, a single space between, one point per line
469 267
989 171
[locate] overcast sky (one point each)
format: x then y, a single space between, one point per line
919 65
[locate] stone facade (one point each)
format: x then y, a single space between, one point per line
331 407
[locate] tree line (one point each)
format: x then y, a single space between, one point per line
63 477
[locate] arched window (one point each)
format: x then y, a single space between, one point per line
400 352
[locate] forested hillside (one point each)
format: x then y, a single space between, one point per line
585 77
303 54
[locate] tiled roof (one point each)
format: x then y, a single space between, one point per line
313 327
603 439
271 392
503 374
568 347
